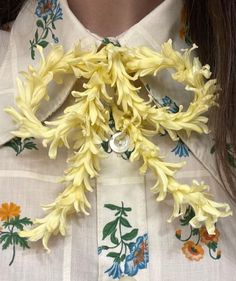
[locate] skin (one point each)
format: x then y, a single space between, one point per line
109 18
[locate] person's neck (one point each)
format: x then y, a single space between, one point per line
109 18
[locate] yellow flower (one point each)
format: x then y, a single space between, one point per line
8 211
110 88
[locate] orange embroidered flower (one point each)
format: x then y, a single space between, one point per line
8 211
192 251
206 238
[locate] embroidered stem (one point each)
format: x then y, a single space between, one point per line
13 255
186 239
218 255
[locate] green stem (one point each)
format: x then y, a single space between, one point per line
13 255
43 32
214 258
198 238
121 241
190 235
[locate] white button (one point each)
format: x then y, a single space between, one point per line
127 278
119 142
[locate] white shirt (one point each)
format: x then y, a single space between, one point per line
155 250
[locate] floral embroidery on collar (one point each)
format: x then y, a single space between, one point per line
12 224
184 33
19 145
194 251
131 255
230 154
48 12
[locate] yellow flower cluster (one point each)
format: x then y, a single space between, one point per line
85 124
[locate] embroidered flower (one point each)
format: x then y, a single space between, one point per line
129 255
9 230
48 12
8 211
181 149
115 270
192 251
87 118
138 257
206 238
173 107
45 8
178 233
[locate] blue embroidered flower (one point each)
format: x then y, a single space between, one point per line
181 149
58 15
138 257
115 270
99 250
173 107
45 8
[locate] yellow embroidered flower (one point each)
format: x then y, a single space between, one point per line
8 211
192 251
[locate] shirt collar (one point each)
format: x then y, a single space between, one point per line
65 29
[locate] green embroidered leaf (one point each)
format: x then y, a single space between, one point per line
40 23
124 222
36 35
43 44
17 222
21 241
212 245
104 247
112 207
126 155
109 228
113 255
107 41
106 147
32 52
187 216
6 240
195 231
15 144
122 257
114 239
128 209
30 145
18 145
130 235
117 213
